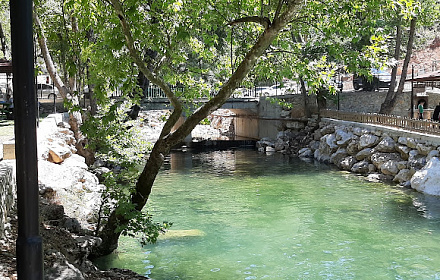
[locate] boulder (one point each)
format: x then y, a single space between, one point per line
348 162
389 168
353 147
412 143
431 154
361 167
368 141
386 145
343 137
403 176
403 151
329 129
338 156
364 154
305 153
424 149
379 177
378 159
427 180
416 161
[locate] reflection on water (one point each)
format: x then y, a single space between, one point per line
244 215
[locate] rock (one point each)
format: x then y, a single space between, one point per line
364 154
424 149
431 154
389 168
403 151
427 180
368 141
348 162
183 233
361 167
329 129
53 212
270 149
378 159
416 161
280 145
343 137
352 148
386 145
57 154
305 153
321 157
314 145
338 156
63 270
379 177
75 161
72 225
410 142
403 176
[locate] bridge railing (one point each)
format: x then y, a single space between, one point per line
154 92
423 126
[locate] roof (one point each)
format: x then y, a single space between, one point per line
427 77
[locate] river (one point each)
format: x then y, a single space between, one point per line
239 214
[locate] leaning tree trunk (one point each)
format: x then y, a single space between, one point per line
74 120
109 234
388 106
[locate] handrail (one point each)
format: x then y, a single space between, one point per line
423 126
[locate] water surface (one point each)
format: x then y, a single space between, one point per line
257 216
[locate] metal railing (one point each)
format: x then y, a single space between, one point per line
423 126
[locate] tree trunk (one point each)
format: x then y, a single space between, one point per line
305 96
65 93
390 101
167 139
3 41
386 107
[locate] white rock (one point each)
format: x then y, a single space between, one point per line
427 180
431 154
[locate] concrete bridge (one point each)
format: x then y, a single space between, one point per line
254 117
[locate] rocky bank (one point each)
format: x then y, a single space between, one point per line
378 154
70 197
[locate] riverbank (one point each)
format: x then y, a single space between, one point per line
70 199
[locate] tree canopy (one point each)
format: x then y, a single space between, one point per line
208 49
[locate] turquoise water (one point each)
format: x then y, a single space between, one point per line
257 216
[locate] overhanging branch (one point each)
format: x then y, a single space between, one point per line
264 21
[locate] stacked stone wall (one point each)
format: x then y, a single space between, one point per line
379 153
7 196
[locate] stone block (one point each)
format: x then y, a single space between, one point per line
9 150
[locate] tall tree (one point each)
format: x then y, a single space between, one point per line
414 13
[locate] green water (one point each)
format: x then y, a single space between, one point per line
271 217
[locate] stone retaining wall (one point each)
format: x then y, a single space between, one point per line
7 196
410 159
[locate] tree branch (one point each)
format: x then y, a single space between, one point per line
264 21
134 53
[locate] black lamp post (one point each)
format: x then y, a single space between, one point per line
29 243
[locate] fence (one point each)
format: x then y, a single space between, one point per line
423 126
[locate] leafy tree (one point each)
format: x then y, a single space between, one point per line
414 14
188 39
208 48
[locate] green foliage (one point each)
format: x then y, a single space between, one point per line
117 195
205 121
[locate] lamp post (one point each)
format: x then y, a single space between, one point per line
29 244
412 93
